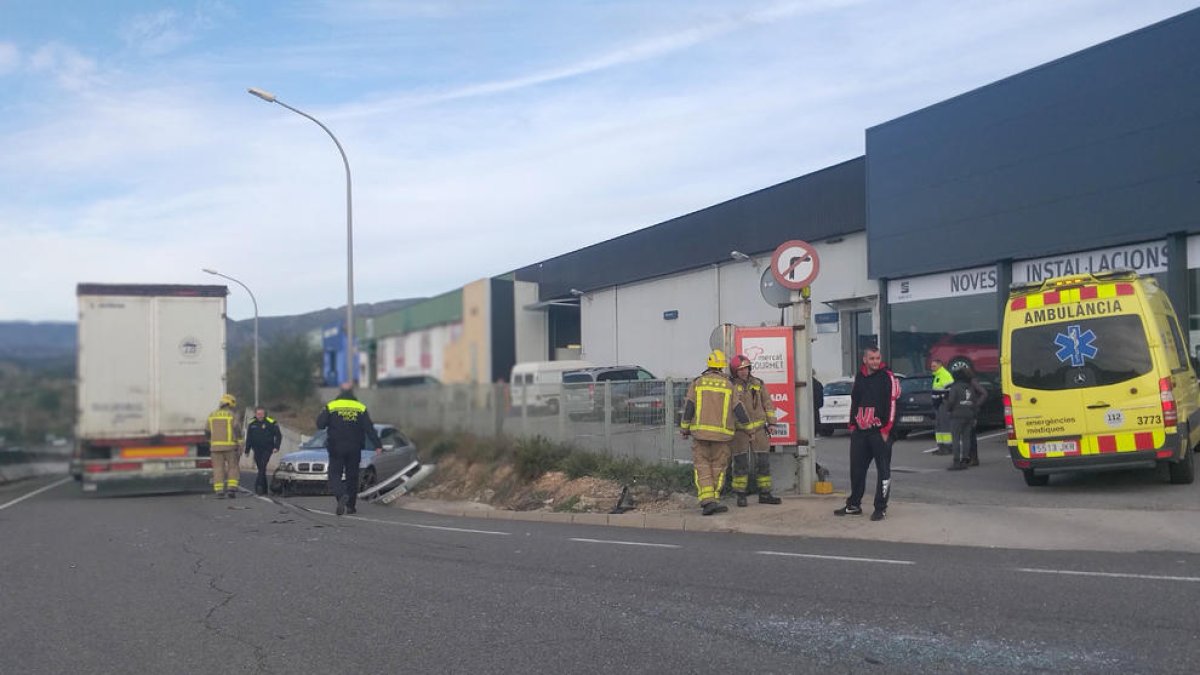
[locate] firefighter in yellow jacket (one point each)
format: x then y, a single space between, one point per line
224 441
754 438
711 414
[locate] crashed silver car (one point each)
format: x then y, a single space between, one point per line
306 469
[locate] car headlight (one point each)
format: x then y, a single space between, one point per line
286 466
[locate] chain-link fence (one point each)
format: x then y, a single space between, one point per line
635 419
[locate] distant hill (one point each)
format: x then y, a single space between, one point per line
51 345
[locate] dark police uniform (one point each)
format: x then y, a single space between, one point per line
263 438
350 427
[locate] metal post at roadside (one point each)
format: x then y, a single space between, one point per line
800 312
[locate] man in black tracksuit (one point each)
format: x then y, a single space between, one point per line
872 413
263 438
349 427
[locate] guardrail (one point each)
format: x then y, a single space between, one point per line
19 463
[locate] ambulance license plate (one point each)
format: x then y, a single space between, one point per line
1049 447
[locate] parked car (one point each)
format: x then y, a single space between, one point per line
835 414
914 410
583 390
651 406
307 468
537 385
979 349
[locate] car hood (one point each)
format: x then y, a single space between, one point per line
320 455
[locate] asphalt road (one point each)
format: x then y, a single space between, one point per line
188 583
922 477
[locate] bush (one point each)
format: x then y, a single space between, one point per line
536 456
579 464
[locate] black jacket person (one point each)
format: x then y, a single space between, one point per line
263 437
349 427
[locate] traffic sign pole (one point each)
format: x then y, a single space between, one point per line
795 265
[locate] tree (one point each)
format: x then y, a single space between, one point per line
285 367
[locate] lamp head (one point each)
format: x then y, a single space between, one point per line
264 95
576 292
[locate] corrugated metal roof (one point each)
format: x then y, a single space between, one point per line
816 206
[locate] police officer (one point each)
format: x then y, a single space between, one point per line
263 438
349 427
709 414
754 438
223 435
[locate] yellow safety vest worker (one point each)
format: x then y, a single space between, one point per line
222 432
754 397
711 400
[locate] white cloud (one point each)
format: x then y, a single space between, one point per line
149 175
10 58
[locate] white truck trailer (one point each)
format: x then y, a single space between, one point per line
150 368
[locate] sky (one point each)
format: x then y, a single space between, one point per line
481 135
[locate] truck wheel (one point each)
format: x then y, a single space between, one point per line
1183 472
1035 480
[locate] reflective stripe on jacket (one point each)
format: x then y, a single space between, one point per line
222 432
712 408
754 398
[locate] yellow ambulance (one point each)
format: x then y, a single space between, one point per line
1096 376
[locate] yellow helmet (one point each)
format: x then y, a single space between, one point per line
228 399
717 359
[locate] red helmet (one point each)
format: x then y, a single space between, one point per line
740 361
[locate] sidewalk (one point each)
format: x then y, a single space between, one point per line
911 522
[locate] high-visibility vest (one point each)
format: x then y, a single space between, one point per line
714 399
754 398
222 433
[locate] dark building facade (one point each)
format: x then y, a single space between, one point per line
1087 163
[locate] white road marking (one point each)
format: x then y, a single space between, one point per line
35 492
424 527
884 561
1116 575
622 543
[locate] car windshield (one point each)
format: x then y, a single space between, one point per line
1080 353
838 388
316 442
909 385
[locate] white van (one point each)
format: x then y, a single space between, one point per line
537 385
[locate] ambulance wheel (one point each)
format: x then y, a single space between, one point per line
1035 480
1183 472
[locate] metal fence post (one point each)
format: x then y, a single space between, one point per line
562 412
669 419
608 414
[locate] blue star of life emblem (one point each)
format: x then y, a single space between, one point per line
1074 346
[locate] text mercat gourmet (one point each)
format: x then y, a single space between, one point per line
1077 311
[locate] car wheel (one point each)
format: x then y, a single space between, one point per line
276 487
1183 472
824 430
366 479
285 489
1035 480
958 362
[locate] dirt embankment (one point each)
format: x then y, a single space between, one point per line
501 487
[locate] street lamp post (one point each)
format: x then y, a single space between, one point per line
350 369
253 300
